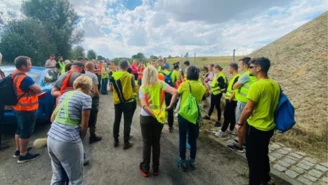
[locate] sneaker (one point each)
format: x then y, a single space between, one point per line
229 132
171 129
16 154
187 145
182 164
142 171
27 157
127 145
191 164
94 139
220 134
235 141
155 171
115 142
236 148
85 160
217 124
207 117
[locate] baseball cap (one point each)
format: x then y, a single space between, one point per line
80 64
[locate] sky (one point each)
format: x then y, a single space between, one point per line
122 28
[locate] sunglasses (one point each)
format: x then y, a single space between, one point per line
251 67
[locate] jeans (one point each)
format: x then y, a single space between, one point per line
25 123
93 116
193 132
99 82
128 110
151 131
229 115
215 102
170 113
104 83
67 156
257 149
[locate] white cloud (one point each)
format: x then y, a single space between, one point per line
163 27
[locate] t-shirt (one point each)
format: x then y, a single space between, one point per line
26 83
142 95
76 104
93 77
50 63
265 93
243 79
167 65
175 76
62 77
197 90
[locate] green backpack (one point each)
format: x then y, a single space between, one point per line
190 110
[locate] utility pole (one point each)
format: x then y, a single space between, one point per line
233 55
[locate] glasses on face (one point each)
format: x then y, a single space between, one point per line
251 67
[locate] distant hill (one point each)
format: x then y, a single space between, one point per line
205 60
299 63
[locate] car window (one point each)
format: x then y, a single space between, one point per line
34 76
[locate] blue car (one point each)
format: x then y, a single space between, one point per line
44 77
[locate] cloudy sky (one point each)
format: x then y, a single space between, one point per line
116 28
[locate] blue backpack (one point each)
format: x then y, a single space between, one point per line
168 79
284 114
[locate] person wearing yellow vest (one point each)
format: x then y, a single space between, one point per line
124 87
230 102
159 65
153 116
60 66
243 84
69 126
104 78
194 87
262 100
25 109
218 87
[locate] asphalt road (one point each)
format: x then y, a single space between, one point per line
109 165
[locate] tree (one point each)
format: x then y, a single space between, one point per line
59 19
99 57
77 51
169 56
138 56
91 55
26 37
153 57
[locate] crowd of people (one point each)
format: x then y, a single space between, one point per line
250 100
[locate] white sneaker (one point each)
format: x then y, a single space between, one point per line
220 134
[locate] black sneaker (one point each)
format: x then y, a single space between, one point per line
207 117
236 148
182 164
191 164
127 145
217 124
27 157
143 172
155 171
16 154
94 139
86 162
235 141
115 142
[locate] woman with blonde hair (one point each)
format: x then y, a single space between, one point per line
153 116
69 125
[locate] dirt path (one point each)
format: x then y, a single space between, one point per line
109 165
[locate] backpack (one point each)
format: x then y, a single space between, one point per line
8 95
190 110
168 78
284 114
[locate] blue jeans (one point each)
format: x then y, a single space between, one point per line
193 132
25 123
104 83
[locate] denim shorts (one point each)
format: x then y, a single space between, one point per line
239 109
25 123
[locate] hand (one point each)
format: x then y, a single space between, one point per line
168 108
238 127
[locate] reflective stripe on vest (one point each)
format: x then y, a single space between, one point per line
64 105
214 86
122 91
230 90
242 94
155 97
29 100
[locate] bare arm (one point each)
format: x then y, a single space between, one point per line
84 122
247 112
35 88
145 107
174 93
53 115
95 90
55 92
237 85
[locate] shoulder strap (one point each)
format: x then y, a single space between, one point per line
189 87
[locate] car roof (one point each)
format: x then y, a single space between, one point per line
34 69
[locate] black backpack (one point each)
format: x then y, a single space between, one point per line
8 94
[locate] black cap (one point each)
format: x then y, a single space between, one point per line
80 64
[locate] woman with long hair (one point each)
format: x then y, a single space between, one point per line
69 125
153 116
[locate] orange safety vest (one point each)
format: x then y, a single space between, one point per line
27 101
65 87
99 69
161 77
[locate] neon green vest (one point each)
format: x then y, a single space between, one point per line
230 90
242 95
155 99
62 67
214 87
64 105
104 69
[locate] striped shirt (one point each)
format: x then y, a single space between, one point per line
76 104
